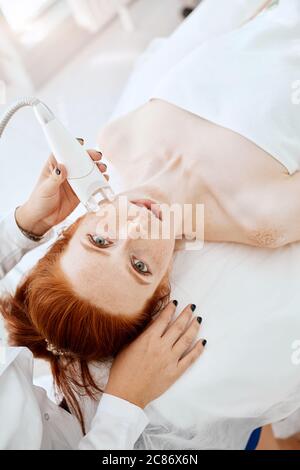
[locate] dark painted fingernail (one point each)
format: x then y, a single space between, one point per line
186 11
199 320
193 307
80 140
100 153
57 171
175 302
204 342
104 164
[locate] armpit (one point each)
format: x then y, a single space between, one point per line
267 238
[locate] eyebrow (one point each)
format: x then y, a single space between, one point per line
89 247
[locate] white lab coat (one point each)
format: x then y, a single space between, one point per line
28 419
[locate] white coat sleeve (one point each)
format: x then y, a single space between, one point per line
117 424
13 244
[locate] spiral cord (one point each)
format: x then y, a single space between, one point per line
27 101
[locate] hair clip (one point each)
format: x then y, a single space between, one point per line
55 351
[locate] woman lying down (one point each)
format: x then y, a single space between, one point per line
219 128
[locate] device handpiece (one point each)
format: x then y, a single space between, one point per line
84 176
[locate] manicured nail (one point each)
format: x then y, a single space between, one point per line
204 342
199 320
104 164
193 307
175 302
100 153
57 171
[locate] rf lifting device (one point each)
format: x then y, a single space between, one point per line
84 176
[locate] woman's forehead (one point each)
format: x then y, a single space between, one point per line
103 280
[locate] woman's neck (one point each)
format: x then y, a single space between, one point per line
169 185
174 186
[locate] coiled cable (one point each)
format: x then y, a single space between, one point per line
27 101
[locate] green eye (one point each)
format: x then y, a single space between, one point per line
140 266
99 240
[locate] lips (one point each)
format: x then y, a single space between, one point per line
151 206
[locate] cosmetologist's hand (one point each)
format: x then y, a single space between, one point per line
52 199
148 366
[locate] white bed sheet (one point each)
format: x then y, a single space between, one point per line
249 299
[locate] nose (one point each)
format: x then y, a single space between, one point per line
137 228
133 225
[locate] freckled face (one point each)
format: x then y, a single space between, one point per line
117 273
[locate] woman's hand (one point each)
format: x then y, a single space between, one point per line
146 368
52 199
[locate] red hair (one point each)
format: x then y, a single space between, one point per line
45 307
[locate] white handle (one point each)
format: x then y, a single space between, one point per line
84 176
